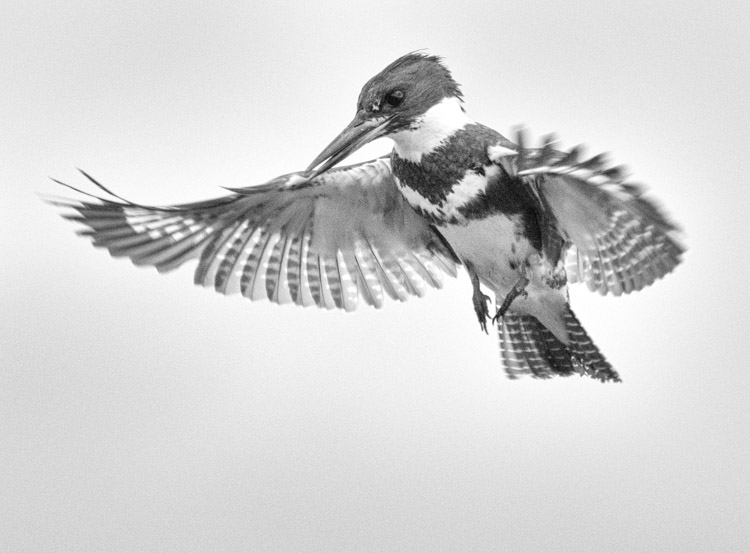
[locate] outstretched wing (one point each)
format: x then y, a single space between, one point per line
344 235
617 241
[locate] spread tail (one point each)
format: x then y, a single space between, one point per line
527 347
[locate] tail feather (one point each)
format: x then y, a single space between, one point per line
528 348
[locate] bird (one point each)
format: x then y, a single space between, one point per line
524 222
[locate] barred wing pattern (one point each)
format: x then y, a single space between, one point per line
618 241
344 235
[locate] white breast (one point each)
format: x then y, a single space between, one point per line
493 246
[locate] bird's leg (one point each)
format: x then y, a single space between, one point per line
479 299
517 290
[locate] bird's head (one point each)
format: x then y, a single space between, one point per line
391 101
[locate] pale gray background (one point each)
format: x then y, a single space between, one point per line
140 413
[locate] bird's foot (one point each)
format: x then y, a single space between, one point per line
518 290
556 278
480 302
479 299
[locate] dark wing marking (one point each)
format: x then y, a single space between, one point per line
345 235
617 241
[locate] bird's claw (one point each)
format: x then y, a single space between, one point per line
518 290
480 302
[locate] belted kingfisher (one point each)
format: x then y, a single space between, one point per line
524 222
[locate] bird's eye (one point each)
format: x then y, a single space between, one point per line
394 98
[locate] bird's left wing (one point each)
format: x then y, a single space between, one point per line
613 238
328 241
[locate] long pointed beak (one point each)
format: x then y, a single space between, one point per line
356 134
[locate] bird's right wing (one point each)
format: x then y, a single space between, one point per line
328 241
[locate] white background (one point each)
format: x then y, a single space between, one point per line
139 413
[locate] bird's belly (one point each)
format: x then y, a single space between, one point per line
500 255
494 246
